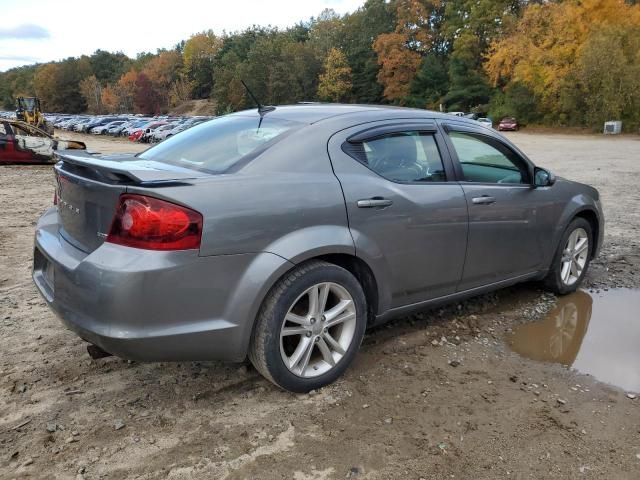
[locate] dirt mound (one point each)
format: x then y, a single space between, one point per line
195 107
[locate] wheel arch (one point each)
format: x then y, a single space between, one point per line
363 273
592 217
354 265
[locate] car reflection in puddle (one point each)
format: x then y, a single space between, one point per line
597 334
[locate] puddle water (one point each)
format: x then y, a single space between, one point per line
597 334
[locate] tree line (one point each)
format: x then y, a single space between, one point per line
569 62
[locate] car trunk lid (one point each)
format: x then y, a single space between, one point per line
89 187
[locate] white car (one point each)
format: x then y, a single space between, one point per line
161 132
102 129
487 122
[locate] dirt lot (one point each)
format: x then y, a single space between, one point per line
406 410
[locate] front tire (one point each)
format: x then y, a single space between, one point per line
571 261
310 327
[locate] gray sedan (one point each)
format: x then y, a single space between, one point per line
281 234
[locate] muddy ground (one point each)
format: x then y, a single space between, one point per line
405 410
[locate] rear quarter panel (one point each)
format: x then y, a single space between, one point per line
286 201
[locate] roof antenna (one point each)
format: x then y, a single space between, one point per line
262 109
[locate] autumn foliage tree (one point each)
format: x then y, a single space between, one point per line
91 90
399 52
335 82
554 62
199 56
608 74
58 85
146 98
544 50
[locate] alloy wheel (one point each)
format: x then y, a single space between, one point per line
574 256
318 330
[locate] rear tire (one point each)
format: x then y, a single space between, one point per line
572 258
310 327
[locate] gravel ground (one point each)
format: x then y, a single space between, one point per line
432 396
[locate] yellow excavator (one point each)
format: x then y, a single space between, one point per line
28 110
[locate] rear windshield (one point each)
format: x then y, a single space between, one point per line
216 145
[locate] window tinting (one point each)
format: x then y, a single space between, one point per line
404 157
216 145
482 162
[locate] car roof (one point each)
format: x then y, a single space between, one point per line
312 113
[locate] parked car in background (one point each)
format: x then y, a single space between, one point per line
282 235
487 122
508 124
179 127
77 124
116 128
103 129
24 143
161 132
134 125
148 131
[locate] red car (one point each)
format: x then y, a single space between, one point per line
509 124
138 135
24 143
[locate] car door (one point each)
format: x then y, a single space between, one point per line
504 234
408 221
34 142
5 143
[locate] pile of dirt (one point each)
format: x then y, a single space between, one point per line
195 108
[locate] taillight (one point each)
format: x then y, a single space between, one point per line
154 224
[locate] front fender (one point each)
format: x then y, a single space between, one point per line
578 204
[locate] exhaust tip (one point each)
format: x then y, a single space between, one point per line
96 352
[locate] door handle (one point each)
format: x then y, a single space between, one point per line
483 200
374 202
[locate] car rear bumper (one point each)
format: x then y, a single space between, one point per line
149 305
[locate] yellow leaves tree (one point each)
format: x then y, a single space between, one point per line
399 52
335 83
91 90
608 74
546 44
110 99
180 91
125 90
199 55
162 71
45 83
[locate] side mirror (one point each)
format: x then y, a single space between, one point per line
543 178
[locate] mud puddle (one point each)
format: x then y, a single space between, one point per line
594 333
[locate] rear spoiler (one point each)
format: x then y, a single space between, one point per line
123 169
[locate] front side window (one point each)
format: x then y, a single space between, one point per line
403 157
483 162
216 145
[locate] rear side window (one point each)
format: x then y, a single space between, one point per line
402 157
216 145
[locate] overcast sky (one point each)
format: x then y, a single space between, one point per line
43 30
